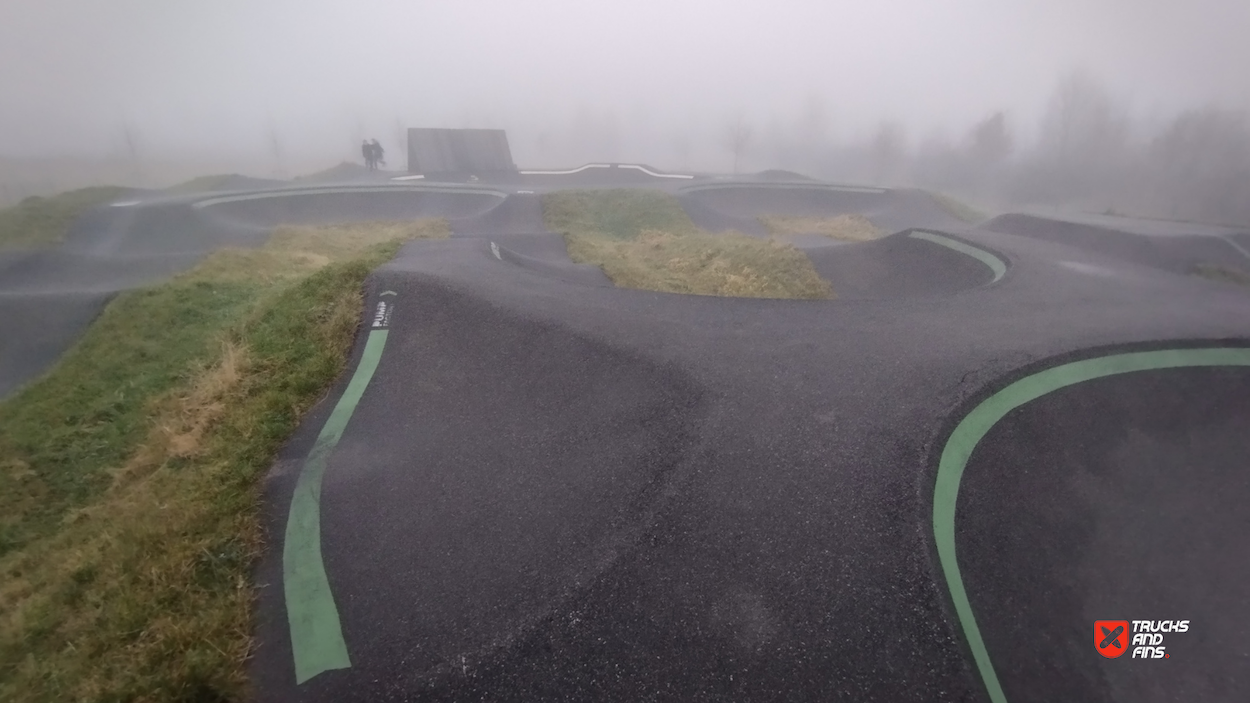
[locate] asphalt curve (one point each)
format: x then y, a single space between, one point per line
1120 483
49 297
541 487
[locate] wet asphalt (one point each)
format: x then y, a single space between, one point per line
553 489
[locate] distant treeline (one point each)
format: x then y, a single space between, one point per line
1088 154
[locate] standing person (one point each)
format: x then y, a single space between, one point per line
377 155
366 149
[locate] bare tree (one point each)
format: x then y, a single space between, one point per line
1083 124
130 139
939 163
681 147
360 135
737 137
401 136
814 123
595 134
1201 167
889 148
989 142
1084 156
808 140
275 150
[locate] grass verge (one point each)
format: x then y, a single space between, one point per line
344 170
1222 274
958 209
41 222
220 182
201 184
643 239
129 473
848 228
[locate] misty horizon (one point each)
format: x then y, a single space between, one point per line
609 81
895 93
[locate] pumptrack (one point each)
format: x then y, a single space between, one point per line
532 485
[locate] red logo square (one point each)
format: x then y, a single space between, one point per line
1111 637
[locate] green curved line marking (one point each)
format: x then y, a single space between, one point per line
997 265
983 417
316 635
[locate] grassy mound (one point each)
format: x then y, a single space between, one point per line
1223 274
849 228
202 184
643 239
958 209
220 182
343 171
129 473
40 222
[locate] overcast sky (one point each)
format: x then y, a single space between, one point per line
224 75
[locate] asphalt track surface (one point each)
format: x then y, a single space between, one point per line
531 485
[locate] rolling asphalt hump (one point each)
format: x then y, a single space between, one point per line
532 485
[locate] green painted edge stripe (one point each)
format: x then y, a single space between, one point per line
316 635
997 265
969 432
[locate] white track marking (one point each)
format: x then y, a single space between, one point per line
1237 246
636 167
565 173
408 178
124 203
1090 269
649 172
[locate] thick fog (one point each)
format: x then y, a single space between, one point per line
1132 105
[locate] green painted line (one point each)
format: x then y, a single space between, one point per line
969 432
997 265
316 635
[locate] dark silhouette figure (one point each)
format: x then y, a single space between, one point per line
367 150
378 155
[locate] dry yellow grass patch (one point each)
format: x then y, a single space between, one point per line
1222 273
728 264
40 222
183 418
297 250
958 209
129 474
336 241
849 228
130 593
643 239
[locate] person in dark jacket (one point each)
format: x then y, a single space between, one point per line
378 155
